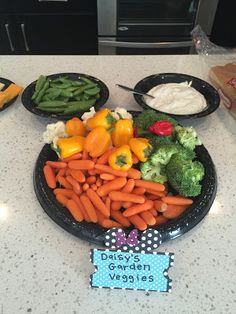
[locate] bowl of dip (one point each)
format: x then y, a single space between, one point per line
179 95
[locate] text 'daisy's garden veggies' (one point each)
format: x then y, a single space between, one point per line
65 96
118 171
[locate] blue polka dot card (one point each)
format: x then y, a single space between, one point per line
129 263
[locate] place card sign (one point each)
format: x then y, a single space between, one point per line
131 266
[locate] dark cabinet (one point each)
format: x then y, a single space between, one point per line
48 27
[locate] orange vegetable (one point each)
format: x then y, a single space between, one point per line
89 208
49 176
109 223
74 210
98 203
150 185
134 173
133 210
70 145
104 158
128 188
75 184
81 164
157 193
75 127
148 218
107 176
122 132
173 211
72 157
61 172
64 182
127 204
160 206
138 222
139 191
62 199
126 197
85 187
94 187
153 212
81 207
85 155
66 192
99 182
56 164
161 220
116 205
77 175
116 184
97 142
108 203
91 180
118 216
9 93
135 159
177 200
107 169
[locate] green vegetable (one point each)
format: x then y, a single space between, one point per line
92 91
42 92
81 89
61 85
153 173
163 154
187 137
52 103
88 81
185 175
148 117
51 109
53 94
77 106
39 85
156 140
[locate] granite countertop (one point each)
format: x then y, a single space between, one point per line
44 269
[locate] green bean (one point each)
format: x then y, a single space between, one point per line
42 92
77 106
92 91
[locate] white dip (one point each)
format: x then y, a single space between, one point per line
176 98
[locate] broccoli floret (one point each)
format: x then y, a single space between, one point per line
153 173
163 154
185 153
187 137
156 140
148 117
185 175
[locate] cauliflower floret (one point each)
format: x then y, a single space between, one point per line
88 114
54 130
121 113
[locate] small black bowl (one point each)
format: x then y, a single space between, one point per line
208 91
7 83
31 106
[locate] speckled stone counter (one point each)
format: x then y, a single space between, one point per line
44 269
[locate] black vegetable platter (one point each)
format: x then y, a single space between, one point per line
7 82
94 233
208 91
29 104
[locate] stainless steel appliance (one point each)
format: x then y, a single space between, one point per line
151 26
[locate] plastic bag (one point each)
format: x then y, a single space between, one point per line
221 67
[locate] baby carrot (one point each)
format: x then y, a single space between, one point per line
89 207
64 182
108 169
116 184
77 175
150 185
85 187
108 203
160 206
102 160
81 207
148 218
173 211
127 204
139 191
135 159
62 199
74 210
177 200
134 173
99 182
98 203
56 164
85 155
116 205
157 193
81 164
49 176
118 216
152 197
61 172
75 184
153 211
133 210
109 223
128 188
107 176
94 187
138 222
161 220
126 197
66 192
91 180
72 157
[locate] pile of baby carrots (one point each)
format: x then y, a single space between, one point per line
94 192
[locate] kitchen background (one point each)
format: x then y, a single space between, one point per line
112 26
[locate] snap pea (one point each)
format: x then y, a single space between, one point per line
54 94
52 103
81 89
65 93
39 85
77 106
56 110
77 83
41 92
97 96
92 91
60 85
86 80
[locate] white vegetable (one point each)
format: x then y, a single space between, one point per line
121 113
88 114
54 131
1 86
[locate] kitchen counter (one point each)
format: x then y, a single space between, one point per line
44 269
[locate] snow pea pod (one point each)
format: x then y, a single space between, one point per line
42 92
81 89
92 91
52 103
56 110
39 85
86 80
60 85
77 106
